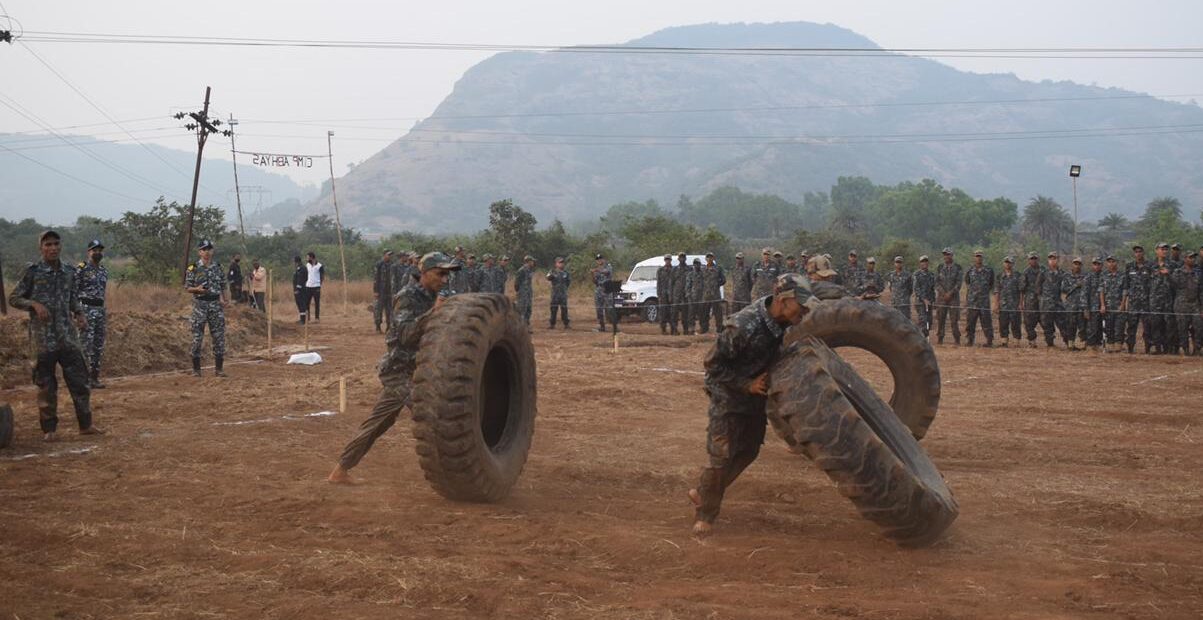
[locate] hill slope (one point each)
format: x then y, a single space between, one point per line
779 124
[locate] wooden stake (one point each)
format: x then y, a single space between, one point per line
269 313
342 394
306 334
616 342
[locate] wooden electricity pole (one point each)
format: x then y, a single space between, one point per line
203 126
338 223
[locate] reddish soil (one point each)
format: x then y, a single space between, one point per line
1078 477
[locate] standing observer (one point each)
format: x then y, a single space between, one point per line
92 280
234 277
259 285
315 275
300 275
382 290
205 280
560 281
602 272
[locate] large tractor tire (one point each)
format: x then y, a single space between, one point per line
853 436
474 398
6 426
886 333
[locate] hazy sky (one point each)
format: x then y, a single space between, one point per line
151 82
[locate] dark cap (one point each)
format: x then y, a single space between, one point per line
680 255
205 244
790 257
1096 261
95 244
438 260
1033 255
851 252
709 254
47 234
599 257
1176 246
1138 247
799 285
1110 257
1163 245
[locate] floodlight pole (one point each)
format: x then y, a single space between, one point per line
1075 184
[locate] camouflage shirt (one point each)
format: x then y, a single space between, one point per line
680 283
1007 286
210 276
560 281
1094 282
764 278
713 280
52 286
694 285
522 282
1073 286
402 275
1137 286
405 333
850 277
901 285
1188 289
601 276
1113 287
1029 287
871 282
92 281
664 284
382 277
948 280
1050 289
747 347
741 283
980 281
923 283
1161 294
457 281
476 277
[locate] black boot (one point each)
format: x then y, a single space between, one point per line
94 380
217 362
196 367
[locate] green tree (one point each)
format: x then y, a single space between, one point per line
1113 222
1159 212
321 230
155 239
512 228
1045 219
743 214
616 217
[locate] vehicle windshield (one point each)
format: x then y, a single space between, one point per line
646 273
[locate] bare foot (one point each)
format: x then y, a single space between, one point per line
701 529
341 476
695 498
50 437
92 430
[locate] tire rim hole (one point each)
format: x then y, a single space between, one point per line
498 391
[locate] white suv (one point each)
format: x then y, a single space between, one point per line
639 291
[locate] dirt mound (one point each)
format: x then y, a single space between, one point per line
139 342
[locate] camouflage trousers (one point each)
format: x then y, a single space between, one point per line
523 303
680 314
382 311
1158 325
1188 319
923 316
1052 320
1113 326
1008 324
942 314
904 310
972 316
559 305
599 304
208 313
94 335
711 309
733 441
1133 320
664 311
1031 319
1094 328
1074 326
396 395
75 374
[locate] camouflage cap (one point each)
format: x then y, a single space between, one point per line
438 260
204 244
977 253
697 261
1176 246
487 257
1138 246
1111 258
709 254
505 257
851 252
1098 260
471 257
1053 255
680 255
559 259
800 286
822 266
599 256
529 258
1163 245
767 252
668 257
898 259
947 251
739 255
777 254
1010 260
47 234
790 257
1033 255
871 260
923 259
1077 259
1191 254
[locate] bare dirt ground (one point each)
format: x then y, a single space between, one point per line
1078 477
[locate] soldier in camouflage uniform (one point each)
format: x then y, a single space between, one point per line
488 273
1161 302
694 287
560 280
923 283
872 284
948 297
205 280
501 273
713 280
1006 297
475 276
664 295
92 280
1188 298
681 296
741 284
457 283
601 273
791 265
851 274
979 282
1112 293
737 383
1136 301
1052 317
416 304
47 292
1094 324
1176 255
1171 322
523 290
900 284
1074 288
382 290
764 275
1029 291
401 274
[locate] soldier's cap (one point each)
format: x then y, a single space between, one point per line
923 259
1009 260
767 251
1077 259
558 259
205 244
668 257
871 260
1176 246
977 253
680 255
739 255
472 256
388 252
776 253
1096 261
1191 254
504 257
898 259
598 257
1053 255
1138 247
822 266
1110 258
438 260
947 251
528 257
799 285
1163 245
851 252
95 244
709 254
1033 255
459 248
47 234
487 257
697 261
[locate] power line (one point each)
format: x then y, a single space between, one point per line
86 125
71 176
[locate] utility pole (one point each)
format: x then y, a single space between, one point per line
203 127
1074 172
338 223
232 123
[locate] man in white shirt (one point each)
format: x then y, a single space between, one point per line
313 285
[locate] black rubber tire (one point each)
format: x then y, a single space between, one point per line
6 426
474 398
860 444
893 338
651 311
